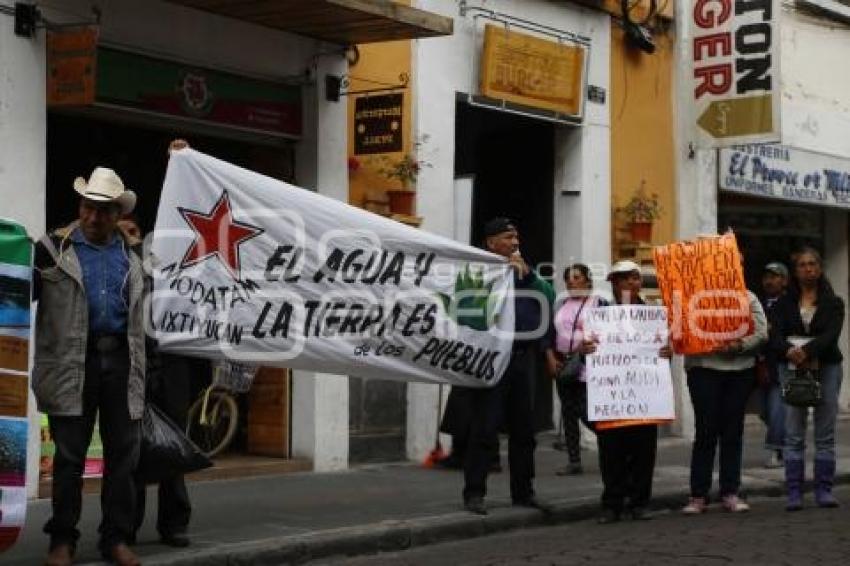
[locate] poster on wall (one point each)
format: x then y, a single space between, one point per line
627 380
15 283
249 268
378 124
702 286
734 65
785 173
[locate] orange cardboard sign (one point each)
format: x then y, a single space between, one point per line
702 286
71 65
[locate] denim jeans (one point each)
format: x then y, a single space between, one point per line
104 394
825 414
719 399
773 416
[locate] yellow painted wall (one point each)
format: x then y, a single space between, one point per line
642 130
381 62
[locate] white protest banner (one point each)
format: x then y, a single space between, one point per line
252 269
735 69
626 378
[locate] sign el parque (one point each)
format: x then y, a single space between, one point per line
735 70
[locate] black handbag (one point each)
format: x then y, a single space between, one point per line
571 368
573 361
803 388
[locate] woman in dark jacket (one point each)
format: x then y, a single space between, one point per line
806 326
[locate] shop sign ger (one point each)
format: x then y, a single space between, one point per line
735 69
527 70
377 124
781 172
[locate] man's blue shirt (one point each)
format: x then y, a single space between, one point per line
105 278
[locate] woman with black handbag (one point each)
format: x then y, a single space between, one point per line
565 360
805 330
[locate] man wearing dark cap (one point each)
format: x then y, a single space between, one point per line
774 280
511 401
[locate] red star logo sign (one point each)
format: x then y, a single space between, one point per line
217 234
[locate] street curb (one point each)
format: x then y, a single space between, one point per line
393 536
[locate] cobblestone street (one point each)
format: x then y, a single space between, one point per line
768 535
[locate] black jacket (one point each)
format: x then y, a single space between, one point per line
768 354
825 328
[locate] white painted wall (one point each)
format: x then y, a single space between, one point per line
320 401
445 66
23 131
815 84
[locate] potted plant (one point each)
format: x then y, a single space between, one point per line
641 211
405 170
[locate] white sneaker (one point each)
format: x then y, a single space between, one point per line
733 504
695 506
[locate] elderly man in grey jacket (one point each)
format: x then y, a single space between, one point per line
90 360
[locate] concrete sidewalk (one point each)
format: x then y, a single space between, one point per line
303 516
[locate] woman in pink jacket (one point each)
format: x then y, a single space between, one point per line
567 341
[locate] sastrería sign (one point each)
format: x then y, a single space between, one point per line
780 172
249 268
735 69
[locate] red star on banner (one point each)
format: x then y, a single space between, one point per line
217 234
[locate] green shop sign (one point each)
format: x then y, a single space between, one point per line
165 87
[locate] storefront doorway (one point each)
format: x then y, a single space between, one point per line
77 144
769 231
512 162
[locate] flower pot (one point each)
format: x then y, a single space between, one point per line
401 201
641 231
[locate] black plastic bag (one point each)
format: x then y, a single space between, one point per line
166 451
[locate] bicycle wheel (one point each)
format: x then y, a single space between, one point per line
222 416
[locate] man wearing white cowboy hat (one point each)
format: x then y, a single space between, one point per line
90 361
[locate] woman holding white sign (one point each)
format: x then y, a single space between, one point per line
806 327
627 448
